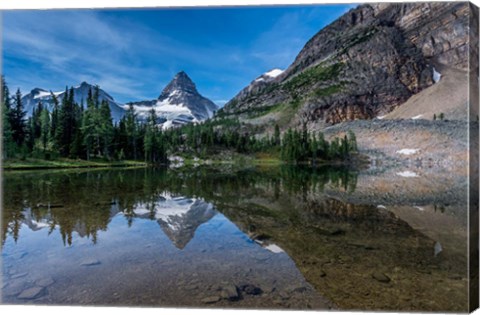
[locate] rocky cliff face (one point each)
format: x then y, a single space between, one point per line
365 64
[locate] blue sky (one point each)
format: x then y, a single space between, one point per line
133 54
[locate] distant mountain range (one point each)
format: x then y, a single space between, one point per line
37 95
179 103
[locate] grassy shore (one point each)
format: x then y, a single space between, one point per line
32 164
260 159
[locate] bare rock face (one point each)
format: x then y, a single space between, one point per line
365 64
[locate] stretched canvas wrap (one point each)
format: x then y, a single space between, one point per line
298 157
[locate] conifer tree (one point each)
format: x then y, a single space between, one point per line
8 143
276 136
352 140
88 126
54 119
66 120
150 140
18 121
106 127
45 129
132 130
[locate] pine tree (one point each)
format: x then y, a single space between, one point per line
276 136
37 111
314 148
66 123
54 120
106 127
76 147
323 146
132 130
150 139
29 142
352 141
45 129
8 144
88 126
17 122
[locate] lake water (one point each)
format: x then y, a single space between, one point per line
275 237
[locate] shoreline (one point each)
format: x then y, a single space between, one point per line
39 164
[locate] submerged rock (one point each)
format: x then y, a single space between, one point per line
230 292
90 262
18 275
251 289
31 293
380 277
211 299
45 282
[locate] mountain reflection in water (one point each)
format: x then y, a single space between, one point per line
258 238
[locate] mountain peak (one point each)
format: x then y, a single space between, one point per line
182 74
37 90
181 82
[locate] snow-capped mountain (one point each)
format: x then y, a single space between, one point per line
180 103
31 100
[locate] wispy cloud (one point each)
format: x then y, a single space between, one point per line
133 60
78 46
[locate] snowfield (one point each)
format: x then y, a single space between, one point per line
407 174
274 73
408 151
436 76
274 249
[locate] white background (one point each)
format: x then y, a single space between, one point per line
46 4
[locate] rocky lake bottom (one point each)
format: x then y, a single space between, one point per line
274 237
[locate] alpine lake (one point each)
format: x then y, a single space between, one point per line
264 237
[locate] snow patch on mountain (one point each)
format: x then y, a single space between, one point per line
436 75
274 73
407 174
407 151
274 248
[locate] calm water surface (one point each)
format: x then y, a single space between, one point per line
252 238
